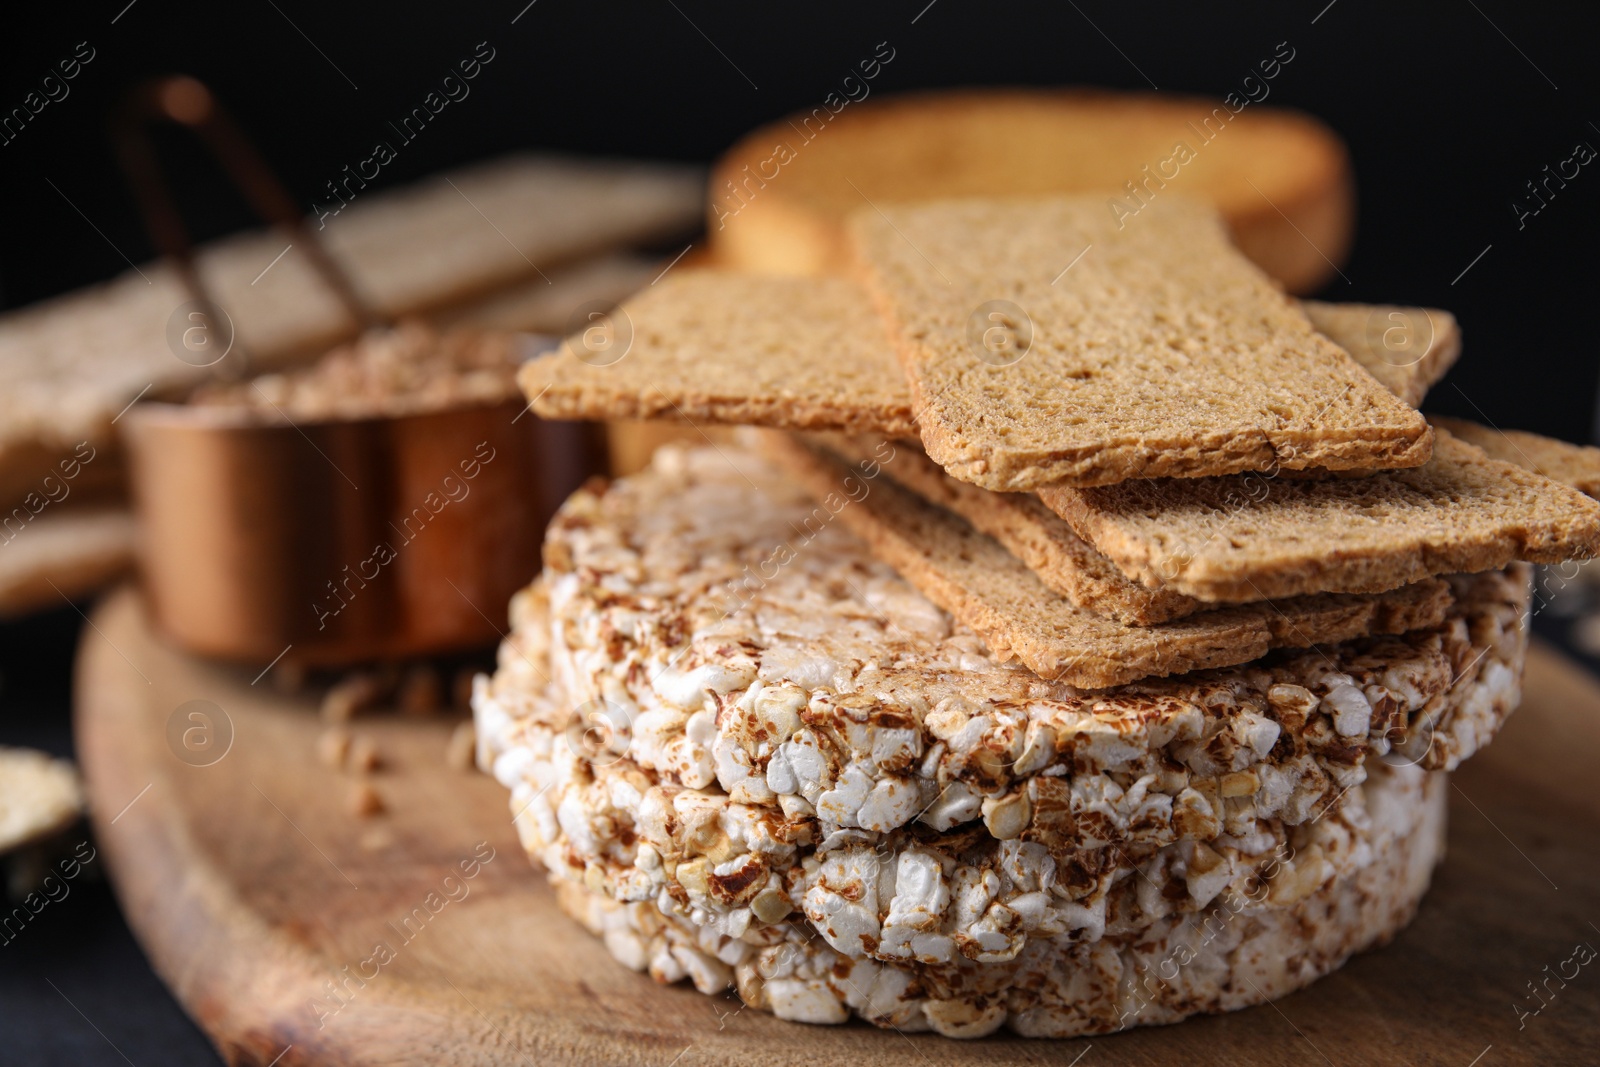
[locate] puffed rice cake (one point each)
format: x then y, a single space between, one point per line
1237 953
633 793
828 686
600 821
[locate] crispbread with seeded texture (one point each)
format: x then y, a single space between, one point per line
1569 464
976 580
1156 348
810 354
1406 348
1248 537
1034 534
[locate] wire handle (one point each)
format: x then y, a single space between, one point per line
187 102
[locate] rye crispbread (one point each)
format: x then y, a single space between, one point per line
1407 349
1569 464
1040 538
779 197
975 579
1138 350
810 354
1249 537
799 353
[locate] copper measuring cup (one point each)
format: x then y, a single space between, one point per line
333 541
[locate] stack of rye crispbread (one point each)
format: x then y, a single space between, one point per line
1129 693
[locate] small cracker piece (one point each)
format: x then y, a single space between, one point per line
985 587
1248 537
1138 350
1569 464
39 796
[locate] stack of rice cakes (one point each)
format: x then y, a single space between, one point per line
1079 716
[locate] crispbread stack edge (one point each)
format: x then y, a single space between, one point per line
1569 464
810 354
1247 538
1029 530
971 576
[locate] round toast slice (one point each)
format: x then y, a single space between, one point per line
1281 179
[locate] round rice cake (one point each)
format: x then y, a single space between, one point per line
912 894
706 626
1241 950
593 813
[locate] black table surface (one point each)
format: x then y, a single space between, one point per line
75 988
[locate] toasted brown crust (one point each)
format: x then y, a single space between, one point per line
1156 350
1250 538
976 580
1569 464
1294 217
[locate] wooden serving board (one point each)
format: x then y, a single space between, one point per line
252 888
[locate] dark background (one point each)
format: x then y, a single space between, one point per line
1448 114
1448 110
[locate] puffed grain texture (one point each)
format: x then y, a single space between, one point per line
1235 954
